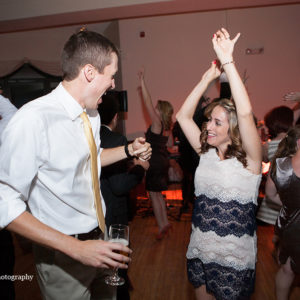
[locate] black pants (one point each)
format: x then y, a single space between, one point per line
7 261
123 290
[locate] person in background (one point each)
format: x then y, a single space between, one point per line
283 188
159 135
221 254
188 158
7 110
119 178
278 121
50 161
294 97
7 255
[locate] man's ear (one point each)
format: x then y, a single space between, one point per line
89 72
115 118
113 123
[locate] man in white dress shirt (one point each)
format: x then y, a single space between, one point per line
44 163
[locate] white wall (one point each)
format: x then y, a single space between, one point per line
177 49
46 44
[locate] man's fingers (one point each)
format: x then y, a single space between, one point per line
145 148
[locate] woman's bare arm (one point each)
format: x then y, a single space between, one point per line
224 47
156 125
186 112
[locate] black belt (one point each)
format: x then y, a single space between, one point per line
92 235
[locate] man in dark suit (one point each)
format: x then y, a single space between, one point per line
119 178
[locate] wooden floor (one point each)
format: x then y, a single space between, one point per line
158 268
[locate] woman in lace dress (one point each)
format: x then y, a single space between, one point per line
222 249
283 187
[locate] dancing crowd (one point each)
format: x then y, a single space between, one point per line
54 149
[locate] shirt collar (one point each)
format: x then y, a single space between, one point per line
106 127
72 107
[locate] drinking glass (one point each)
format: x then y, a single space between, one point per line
118 233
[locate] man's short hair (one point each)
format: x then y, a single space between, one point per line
108 109
86 47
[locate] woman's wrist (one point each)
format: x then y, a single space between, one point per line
226 60
229 62
205 81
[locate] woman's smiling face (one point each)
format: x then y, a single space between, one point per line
218 128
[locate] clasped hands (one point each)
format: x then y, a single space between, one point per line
140 148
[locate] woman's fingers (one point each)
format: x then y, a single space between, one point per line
225 33
236 38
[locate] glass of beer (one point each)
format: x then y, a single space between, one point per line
118 233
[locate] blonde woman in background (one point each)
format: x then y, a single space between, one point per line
159 135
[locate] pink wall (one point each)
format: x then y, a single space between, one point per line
177 49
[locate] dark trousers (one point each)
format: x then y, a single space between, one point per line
123 290
7 261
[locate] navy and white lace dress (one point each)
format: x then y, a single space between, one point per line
222 248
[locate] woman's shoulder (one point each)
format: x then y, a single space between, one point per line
284 163
284 168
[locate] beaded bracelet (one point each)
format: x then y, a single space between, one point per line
229 62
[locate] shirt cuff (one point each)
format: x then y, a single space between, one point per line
10 210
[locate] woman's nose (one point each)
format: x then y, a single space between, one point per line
209 125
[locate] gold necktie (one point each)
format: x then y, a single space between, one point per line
94 169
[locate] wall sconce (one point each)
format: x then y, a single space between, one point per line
252 51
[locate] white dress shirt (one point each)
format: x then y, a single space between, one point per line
7 110
44 161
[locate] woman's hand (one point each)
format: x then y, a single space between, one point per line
212 73
223 45
141 73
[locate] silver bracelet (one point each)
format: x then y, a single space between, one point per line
229 62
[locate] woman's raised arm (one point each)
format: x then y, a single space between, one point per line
224 47
156 125
186 112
